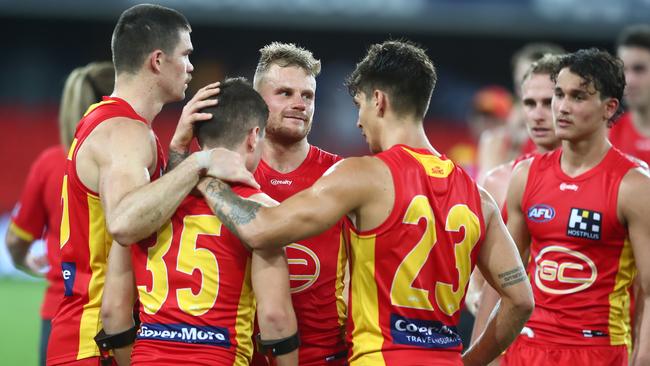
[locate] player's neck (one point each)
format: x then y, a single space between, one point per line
403 132
140 95
581 156
641 120
283 157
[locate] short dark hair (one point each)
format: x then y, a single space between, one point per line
240 108
402 70
637 35
597 68
142 29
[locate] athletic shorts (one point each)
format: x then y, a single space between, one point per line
526 353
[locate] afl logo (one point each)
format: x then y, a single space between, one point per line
304 267
541 213
562 271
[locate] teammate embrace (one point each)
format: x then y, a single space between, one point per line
202 245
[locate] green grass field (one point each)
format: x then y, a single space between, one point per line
20 302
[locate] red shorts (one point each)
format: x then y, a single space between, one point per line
90 361
526 353
336 359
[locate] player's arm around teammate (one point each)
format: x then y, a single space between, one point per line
634 211
353 186
136 207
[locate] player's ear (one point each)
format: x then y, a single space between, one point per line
155 60
253 138
611 106
379 101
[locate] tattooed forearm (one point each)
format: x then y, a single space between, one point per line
512 277
232 210
175 158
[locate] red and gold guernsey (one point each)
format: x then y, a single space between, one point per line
409 275
581 263
316 267
85 243
196 298
38 214
626 137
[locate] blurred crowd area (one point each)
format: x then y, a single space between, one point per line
474 91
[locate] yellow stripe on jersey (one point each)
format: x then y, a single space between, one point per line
64 233
99 244
367 339
73 146
244 321
19 232
96 105
342 260
433 165
619 299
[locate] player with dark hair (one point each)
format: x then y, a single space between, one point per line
210 316
631 133
108 190
581 214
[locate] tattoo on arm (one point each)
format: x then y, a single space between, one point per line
512 277
175 158
231 209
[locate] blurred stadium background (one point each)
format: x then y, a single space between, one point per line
470 41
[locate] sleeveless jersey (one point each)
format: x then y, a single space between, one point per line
409 275
85 243
196 298
38 214
316 265
581 262
625 137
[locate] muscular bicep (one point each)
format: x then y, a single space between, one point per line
124 158
517 227
634 206
499 259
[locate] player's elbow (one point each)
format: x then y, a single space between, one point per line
276 321
116 314
524 303
256 239
122 232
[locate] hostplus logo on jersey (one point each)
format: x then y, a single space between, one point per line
185 333
541 213
584 224
422 333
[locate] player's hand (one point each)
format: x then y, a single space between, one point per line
184 129
229 166
36 264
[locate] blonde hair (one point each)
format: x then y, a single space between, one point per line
84 86
285 55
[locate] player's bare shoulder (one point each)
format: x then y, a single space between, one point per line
634 185
365 170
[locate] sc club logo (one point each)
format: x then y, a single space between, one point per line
562 271
304 267
541 213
